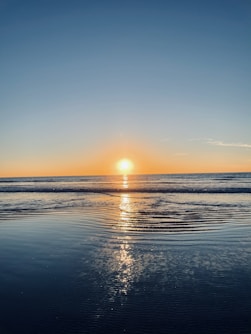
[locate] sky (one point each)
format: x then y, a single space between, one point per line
86 83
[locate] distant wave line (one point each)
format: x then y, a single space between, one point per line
109 191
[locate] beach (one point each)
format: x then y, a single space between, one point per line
134 254
125 167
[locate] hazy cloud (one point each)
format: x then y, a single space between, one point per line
221 143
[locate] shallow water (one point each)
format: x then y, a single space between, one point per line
126 262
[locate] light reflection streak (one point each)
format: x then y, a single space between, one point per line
125 182
124 257
125 210
120 263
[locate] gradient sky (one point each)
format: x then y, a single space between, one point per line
85 83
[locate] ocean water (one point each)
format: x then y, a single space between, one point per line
137 254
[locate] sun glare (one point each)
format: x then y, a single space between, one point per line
125 166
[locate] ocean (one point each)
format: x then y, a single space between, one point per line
137 254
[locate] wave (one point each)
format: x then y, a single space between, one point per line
162 184
104 190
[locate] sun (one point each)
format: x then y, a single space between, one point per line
125 166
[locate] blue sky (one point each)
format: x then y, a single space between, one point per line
79 77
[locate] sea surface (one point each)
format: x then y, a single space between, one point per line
131 254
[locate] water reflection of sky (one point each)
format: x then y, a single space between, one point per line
130 255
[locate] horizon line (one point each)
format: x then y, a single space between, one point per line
121 175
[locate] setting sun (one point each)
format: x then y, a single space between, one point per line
125 166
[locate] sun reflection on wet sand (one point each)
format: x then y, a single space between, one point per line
125 270
125 260
120 262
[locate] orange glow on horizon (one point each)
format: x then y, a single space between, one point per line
106 159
